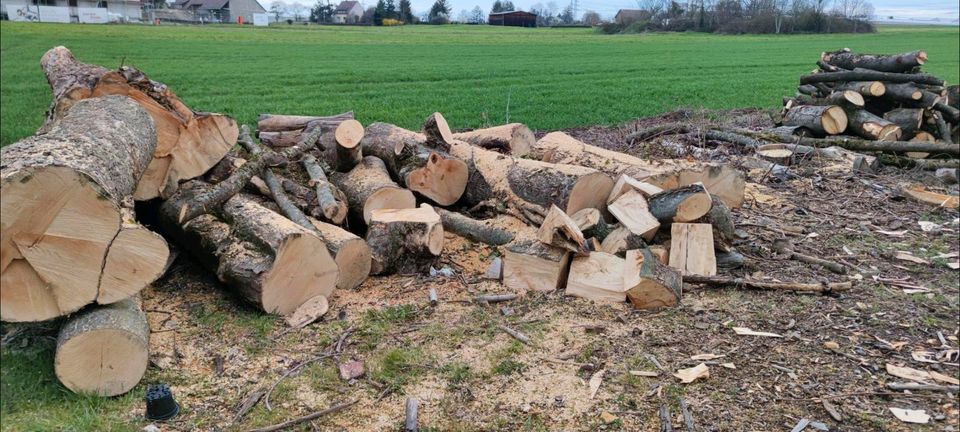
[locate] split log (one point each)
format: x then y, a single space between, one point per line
104 350
281 123
591 224
266 258
786 286
821 119
188 143
597 276
351 253
68 237
650 284
721 180
331 200
854 144
621 240
691 249
870 126
514 139
559 230
368 187
884 63
905 92
633 212
683 204
348 135
473 229
404 240
532 265
907 119
626 183
860 74
422 169
865 88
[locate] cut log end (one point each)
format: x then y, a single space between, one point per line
590 191
442 180
650 284
136 258
834 120
404 240
531 265
349 133
853 97
286 286
388 198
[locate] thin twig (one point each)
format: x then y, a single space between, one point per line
306 418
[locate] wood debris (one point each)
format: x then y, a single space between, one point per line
687 376
744 331
910 415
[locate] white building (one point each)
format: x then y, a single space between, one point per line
72 11
348 12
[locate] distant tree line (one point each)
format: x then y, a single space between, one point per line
749 16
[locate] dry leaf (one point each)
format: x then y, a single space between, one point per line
702 357
645 373
744 331
908 373
595 382
907 256
690 375
911 416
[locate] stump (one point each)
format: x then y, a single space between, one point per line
404 240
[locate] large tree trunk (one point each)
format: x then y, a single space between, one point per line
368 187
821 119
404 240
104 350
514 139
188 143
883 63
68 237
721 180
266 258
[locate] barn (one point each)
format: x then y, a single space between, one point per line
513 18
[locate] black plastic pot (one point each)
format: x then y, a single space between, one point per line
160 403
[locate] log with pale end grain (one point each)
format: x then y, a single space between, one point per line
67 234
864 88
721 180
532 265
860 74
350 252
683 204
368 187
481 231
845 59
905 92
103 350
437 132
561 231
598 276
404 240
776 153
422 169
331 199
839 98
591 224
648 282
621 240
633 212
281 122
867 125
821 119
514 139
626 183
907 119
349 151
266 258
691 249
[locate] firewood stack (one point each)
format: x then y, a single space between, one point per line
875 97
306 205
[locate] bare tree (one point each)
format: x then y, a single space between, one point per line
591 18
297 10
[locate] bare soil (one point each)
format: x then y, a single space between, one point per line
470 375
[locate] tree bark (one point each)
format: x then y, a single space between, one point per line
684 204
904 62
870 126
649 283
281 123
821 119
368 187
331 200
860 74
68 236
270 261
348 135
787 286
905 92
404 240
907 119
437 131
854 144
473 229
104 350
514 139
839 98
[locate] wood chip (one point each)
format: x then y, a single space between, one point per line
894 233
608 418
595 382
917 375
704 357
907 256
911 416
832 410
728 365
744 331
944 378
308 312
690 375
645 373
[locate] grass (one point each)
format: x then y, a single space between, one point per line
552 78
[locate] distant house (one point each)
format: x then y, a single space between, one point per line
513 18
629 16
348 12
72 11
221 10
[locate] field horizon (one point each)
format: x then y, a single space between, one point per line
476 75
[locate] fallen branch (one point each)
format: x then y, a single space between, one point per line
785 286
331 200
873 146
516 335
923 387
495 298
306 418
410 416
870 75
473 229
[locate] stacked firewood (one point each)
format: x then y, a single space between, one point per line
306 205
876 97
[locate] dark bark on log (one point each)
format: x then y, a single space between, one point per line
855 144
437 131
905 92
904 62
683 204
870 75
473 229
943 129
872 127
924 164
718 281
822 120
908 119
666 423
865 88
808 89
721 220
280 122
656 131
329 197
952 114
839 98
827 67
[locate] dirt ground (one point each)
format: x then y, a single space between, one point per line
469 375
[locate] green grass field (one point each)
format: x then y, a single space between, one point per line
475 75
